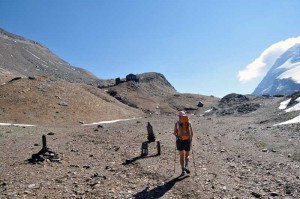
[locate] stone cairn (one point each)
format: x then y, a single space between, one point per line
44 154
151 138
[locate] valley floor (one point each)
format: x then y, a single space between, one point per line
232 157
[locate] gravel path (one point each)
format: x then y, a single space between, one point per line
232 157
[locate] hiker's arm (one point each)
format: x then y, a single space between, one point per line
192 133
175 130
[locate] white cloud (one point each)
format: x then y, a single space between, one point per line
262 64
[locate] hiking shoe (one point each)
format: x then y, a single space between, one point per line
187 169
182 172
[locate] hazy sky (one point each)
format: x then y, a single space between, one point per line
204 47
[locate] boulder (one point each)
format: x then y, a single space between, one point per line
200 104
234 98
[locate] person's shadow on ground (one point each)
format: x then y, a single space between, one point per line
159 191
132 160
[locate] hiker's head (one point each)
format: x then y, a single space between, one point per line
181 113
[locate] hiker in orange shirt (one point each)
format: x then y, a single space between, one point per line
184 134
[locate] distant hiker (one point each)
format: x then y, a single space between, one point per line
184 134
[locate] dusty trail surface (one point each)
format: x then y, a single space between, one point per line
103 161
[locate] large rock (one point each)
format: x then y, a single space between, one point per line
234 98
236 104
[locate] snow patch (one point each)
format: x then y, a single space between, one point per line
292 121
293 73
23 125
32 54
20 125
294 108
286 65
45 65
5 124
284 104
109 122
208 111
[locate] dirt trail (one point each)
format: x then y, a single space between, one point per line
104 161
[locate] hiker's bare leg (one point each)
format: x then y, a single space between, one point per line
181 159
187 157
186 165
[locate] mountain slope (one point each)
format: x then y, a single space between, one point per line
42 101
23 57
284 76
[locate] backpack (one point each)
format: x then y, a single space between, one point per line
183 127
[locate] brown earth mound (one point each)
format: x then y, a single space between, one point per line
154 94
42 101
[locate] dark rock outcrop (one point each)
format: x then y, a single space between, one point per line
293 97
236 104
233 98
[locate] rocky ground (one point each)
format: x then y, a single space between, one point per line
234 156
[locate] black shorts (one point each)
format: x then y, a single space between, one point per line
183 145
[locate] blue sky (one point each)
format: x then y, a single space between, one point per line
200 46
